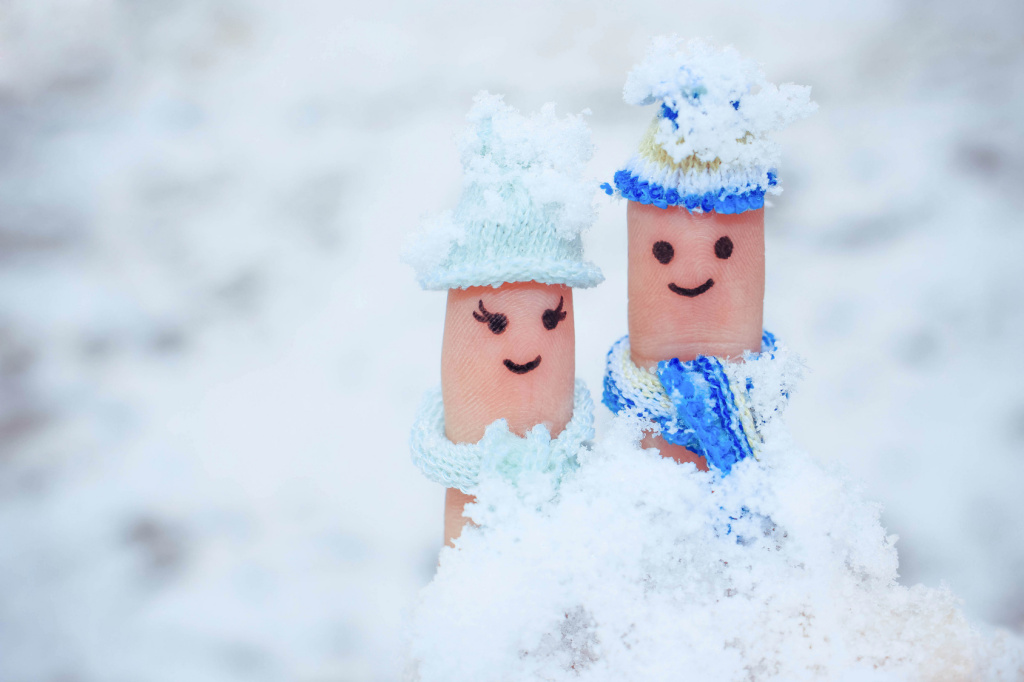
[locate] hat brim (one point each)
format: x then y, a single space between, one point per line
576 274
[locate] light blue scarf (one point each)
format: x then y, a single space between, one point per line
499 452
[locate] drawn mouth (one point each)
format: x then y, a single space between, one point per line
690 293
522 369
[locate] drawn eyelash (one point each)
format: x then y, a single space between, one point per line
551 318
497 322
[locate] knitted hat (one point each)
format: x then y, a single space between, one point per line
708 147
523 208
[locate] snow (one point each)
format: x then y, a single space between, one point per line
644 569
538 158
210 354
723 106
543 153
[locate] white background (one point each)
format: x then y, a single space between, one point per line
210 354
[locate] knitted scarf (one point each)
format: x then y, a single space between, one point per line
459 465
703 404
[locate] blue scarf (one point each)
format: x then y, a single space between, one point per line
702 404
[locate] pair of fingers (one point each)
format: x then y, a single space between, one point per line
696 287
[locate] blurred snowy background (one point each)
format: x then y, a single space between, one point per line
210 354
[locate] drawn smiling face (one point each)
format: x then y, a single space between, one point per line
664 252
498 323
510 346
696 282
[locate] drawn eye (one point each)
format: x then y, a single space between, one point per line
551 318
495 321
664 252
723 247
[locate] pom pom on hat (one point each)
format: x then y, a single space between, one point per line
525 203
709 146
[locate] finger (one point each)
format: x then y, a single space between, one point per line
696 280
487 367
696 283
455 502
508 353
696 287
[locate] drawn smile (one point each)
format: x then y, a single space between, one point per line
522 369
690 293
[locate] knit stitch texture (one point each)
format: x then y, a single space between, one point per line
524 205
704 404
500 452
709 146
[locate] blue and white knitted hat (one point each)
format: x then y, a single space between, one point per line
708 147
525 203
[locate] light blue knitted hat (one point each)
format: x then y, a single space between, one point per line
525 203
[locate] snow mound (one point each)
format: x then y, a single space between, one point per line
643 569
716 104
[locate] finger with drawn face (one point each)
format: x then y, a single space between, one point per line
509 411
696 287
508 353
696 188
696 283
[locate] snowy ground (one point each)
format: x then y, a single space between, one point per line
210 354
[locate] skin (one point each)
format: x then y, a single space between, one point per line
477 384
725 320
